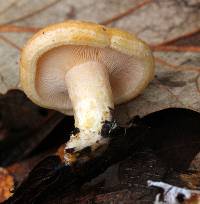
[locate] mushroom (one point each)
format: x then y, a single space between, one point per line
84 69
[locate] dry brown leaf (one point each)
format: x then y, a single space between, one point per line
177 81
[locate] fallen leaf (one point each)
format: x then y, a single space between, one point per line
22 123
177 80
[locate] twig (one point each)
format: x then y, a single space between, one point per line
126 13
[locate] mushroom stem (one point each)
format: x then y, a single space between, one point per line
91 96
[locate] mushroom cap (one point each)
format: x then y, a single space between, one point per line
52 51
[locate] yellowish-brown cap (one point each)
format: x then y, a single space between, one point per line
51 52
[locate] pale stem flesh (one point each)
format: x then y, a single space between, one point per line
91 97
